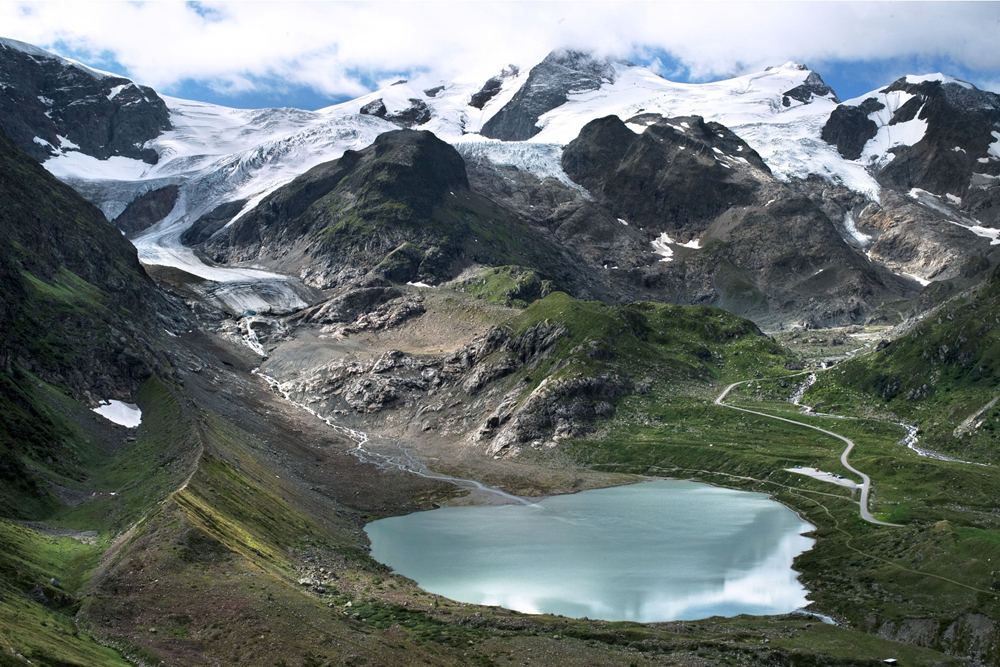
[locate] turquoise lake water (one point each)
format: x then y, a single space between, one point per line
656 551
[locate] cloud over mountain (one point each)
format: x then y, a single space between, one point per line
344 49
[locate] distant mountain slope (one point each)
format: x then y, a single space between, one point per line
49 104
560 74
932 132
401 207
882 190
933 143
728 232
67 274
943 375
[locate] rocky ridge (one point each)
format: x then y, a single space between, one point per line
49 104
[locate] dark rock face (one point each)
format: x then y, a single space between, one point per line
566 407
764 251
492 87
208 224
486 93
670 177
147 209
348 307
916 240
47 97
588 236
918 233
561 73
813 86
961 120
957 117
374 108
849 128
417 113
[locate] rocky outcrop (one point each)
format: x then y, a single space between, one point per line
849 127
958 117
49 104
492 87
204 227
557 409
677 175
548 84
354 210
78 308
417 113
350 306
401 208
729 233
147 209
961 125
812 87
587 236
971 636
916 241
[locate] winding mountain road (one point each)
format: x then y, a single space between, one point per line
866 484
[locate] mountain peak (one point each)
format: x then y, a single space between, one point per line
36 52
59 105
791 64
549 82
583 61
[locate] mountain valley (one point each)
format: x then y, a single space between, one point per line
454 293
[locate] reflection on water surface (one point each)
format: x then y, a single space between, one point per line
657 551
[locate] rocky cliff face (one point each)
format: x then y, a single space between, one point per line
548 84
77 311
674 176
48 104
934 133
147 209
728 232
961 124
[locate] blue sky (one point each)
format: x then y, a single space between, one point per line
309 55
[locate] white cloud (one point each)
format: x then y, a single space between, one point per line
332 46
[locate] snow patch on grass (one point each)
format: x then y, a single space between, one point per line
124 414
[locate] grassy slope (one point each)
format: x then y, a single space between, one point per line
511 286
138 475
660 345
942 372
216 572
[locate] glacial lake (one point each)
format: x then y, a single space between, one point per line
655 551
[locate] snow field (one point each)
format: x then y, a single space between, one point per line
124 414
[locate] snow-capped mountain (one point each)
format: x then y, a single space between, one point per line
933 143
49 105
219 162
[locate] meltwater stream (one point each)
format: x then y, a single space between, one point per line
405 463
656 551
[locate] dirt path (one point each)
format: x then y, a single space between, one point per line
866 482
